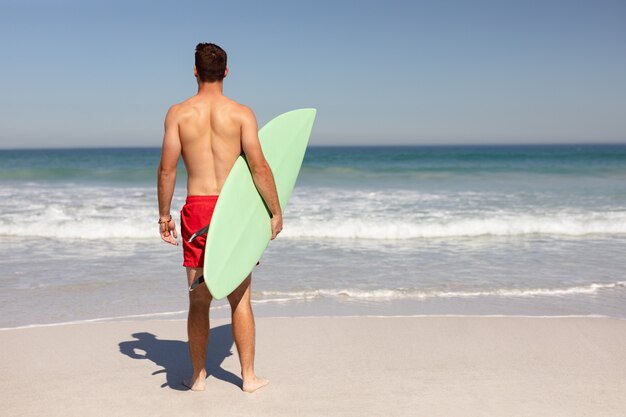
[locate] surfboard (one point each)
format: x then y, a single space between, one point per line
240 229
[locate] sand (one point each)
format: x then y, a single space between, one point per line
347 366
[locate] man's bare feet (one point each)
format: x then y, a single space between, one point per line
196 383
252 384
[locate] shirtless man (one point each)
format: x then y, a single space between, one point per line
210 131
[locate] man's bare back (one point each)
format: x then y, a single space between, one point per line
209 128
210 131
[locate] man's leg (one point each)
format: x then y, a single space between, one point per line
198 329
243 333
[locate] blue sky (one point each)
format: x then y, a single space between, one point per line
87 74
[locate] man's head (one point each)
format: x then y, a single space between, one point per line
210 62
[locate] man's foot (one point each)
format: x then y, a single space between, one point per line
252 384
196 383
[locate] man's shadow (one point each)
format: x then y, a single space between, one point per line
173 356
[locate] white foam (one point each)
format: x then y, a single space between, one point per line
72 212
489 224
98 320
140 224
394 294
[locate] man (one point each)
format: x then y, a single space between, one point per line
210 131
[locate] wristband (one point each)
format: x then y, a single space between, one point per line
165 221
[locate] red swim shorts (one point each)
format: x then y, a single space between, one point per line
196 214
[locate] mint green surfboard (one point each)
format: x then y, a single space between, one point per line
240 227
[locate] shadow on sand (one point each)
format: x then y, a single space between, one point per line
173 356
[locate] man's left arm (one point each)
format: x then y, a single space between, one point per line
167 177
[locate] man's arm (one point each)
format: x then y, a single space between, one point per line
261 172
167 177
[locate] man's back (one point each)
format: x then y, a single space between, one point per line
209 127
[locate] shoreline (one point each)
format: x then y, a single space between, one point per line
160 317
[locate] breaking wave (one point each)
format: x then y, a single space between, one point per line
394 294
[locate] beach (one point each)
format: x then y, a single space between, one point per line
324 366
454 243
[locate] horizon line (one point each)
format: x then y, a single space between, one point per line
398 145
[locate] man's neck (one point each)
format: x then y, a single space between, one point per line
210 88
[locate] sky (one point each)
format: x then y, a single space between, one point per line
103 73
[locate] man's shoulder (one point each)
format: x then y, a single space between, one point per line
227 106
237 110
182 110
246 113
235 105
178 108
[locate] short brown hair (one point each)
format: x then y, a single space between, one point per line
210 62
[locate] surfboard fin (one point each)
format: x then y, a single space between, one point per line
200 232
197 282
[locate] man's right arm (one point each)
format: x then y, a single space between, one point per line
261 172
167 177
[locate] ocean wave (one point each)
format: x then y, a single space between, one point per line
490 225
79 212
395 294
107 212
53 222
94 229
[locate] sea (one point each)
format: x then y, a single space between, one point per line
369 231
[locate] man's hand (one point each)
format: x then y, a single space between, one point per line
277 225
168 231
